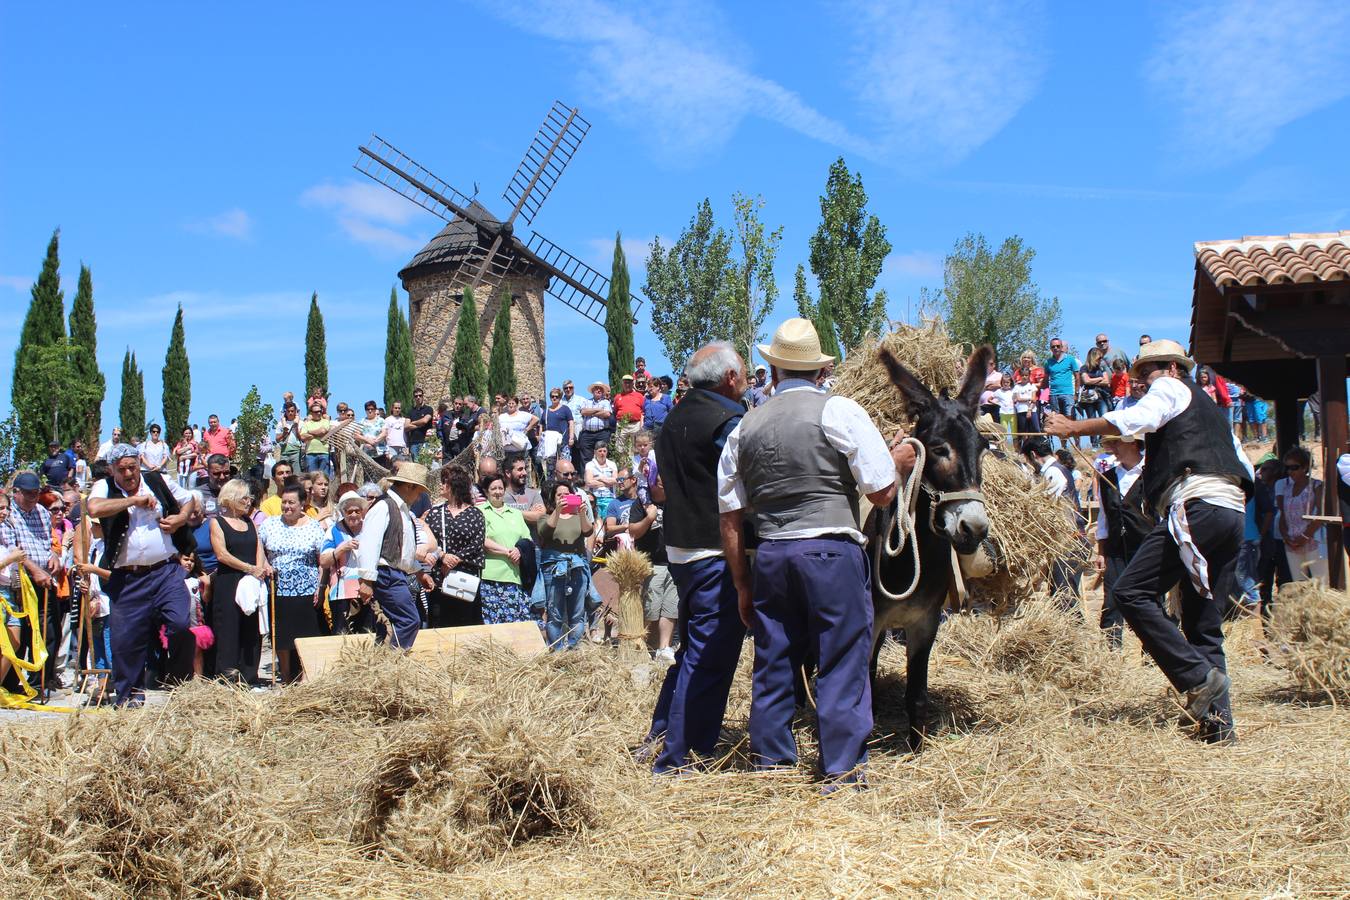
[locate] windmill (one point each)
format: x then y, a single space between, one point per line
478 250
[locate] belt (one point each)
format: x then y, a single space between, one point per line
141 570
601 428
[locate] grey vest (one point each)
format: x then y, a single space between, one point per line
793 476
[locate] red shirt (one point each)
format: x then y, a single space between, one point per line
628 406
219 441
1120 384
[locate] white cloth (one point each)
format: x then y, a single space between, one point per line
1166 399
250 595
144 544
513 427
682 555
1126 478
368 558
549 444
848 429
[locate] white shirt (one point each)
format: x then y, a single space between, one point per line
1126 478
1024 394
575 403
395 438
1056 484
368 558
104 449
1004 398
153 454
849 430
144 544
513 427
1166 399
596 470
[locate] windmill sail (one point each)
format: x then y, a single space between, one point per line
548 154
574 283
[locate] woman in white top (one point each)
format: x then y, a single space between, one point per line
1024 405
154 453
395 439
1298 495
516 426
601 477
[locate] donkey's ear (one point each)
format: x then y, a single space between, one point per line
977 372
917 396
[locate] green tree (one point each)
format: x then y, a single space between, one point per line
132 408
467 374
51 375
255 421
818 312
619 317
177 382
989 297
701 290
84 357
9 446
43 326
316 350
501 373
399 370
847 253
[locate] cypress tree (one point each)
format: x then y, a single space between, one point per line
316 350
43 326
467 375
84 357
177 396
619 317
132 408
501 373
399 371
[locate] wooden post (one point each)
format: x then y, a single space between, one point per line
1331 386
1286 422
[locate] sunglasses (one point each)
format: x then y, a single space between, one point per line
1103 341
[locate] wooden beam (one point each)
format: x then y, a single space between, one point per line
1286 421
1331 386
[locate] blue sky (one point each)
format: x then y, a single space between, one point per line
203 155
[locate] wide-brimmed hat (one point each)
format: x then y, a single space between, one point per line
349 498
795 346
1163 351
598 384
1120 438
410 473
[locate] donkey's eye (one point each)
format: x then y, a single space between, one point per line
941 450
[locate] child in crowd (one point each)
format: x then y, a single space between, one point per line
199 597
1007 404
1120 382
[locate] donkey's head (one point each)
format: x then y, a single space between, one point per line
946 427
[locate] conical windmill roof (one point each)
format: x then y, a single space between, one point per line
448 248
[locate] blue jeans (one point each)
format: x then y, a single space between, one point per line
565 593
1064 405
319 462
1248 563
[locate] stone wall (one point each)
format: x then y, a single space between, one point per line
434 313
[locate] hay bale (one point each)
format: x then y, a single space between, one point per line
926 350
1047 644
1312 626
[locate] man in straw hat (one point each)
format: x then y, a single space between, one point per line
795 467
386 554
1196 480
597 423
694 695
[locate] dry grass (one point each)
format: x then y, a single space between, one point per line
1311 625
1054 769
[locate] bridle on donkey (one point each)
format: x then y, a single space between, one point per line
899 530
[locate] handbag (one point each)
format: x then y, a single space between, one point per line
456 583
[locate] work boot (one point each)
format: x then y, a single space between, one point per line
1201 697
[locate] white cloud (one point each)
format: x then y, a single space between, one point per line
369 214
233 223
942 78
16 282
915 264
1236 72
670 78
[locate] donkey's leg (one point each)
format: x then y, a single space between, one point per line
918 645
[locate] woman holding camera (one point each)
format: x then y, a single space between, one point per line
564 563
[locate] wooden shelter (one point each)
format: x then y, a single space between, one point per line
1273 313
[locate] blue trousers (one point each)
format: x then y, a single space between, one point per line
1064 405
693 697
565 593
140 603
396 602
812 597
319 462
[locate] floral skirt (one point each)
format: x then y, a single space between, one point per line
503 602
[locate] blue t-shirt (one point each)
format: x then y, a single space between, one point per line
1060 373
557 419
656 411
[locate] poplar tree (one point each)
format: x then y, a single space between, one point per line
84 358
399 371
467 375
501 377
43 326
316 350
177 381
818 313
132 408
619 317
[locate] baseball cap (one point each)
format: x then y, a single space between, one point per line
27 481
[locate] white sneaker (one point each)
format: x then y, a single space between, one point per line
666 655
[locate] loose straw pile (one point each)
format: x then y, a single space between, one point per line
1311 628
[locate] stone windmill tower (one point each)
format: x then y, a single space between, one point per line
477 250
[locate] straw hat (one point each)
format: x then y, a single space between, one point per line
1163 351
599 384
1120 438
795 346
410 473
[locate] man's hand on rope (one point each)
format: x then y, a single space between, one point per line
902 453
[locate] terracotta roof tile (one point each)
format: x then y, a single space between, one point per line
1277 259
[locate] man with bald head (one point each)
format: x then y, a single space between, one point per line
487 465
694 696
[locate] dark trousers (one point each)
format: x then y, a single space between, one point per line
238 646
812 596
1113 621
396 602
693 697
586 442
141 602
1186 654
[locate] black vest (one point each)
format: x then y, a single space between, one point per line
1070 492
115 527
686 456
1197 442
1126 522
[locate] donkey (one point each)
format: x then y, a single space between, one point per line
950 513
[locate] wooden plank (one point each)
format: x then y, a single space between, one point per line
433 645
